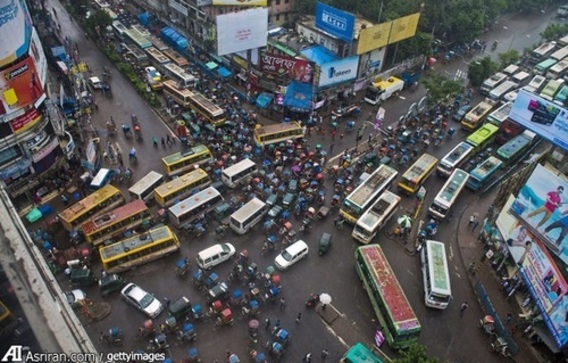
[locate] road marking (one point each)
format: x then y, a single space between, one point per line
402 98
451 253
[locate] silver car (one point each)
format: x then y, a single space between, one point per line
142 300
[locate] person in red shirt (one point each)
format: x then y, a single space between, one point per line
553 201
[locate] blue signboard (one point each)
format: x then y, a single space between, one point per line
335 22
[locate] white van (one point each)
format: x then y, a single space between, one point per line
101 179
292 254
215 255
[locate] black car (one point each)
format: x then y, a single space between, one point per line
179 308
111 283
218 292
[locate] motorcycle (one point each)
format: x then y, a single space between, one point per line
114 337
312 301
501 346
487 323
158 344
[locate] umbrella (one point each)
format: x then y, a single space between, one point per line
296 168
404 221
325 298
253 324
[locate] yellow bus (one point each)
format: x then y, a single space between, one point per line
8 322
475 118
180 96
186 160
180 188
113 224
104 199
273 134
207 108
139 249
417 174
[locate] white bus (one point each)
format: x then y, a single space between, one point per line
179 75
239 173
498 92
454 159
376 217
542 52
436 275
442 204
560 53
189 209
500 115
558 70
247 216
144 188
492 82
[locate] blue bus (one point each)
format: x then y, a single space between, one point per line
483 173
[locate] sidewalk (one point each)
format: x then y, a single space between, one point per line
471 249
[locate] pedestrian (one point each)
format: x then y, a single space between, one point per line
282 304
370 138
298 318
267 326
509 318
475 224
331 148
64 199
277 325
333 135
473 218
513 330
308 358
228 354
341 136
463 308
120 161
168 139
324 354
167 302
163 143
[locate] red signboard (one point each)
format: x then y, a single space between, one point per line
25 121
294 69
21 85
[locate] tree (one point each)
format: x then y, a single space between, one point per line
97 23
554 31
478 71
416 353
440 88
508 57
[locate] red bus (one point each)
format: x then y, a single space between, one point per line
507 130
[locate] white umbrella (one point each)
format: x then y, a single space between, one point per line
325 299
404 221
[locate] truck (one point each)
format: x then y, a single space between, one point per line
381 90
410 78
154 78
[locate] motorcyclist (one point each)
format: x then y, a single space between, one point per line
155 141
132 153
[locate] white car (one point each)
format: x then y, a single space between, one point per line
215 255
292 254
75 297
142 300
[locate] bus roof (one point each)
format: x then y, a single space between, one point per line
245 211
438 267
179 72
482 134
171 85
419 167
196 199
176 57
134 242
456 154
267 129
238 167
395 299
479 111
359 353
89 201
157 56
513 146
211 107
452 186
114 215
369 186
486 167
498 116
143 184
376 213
197 149
177 183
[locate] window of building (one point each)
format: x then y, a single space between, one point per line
286 1
277 2
269 18
285 16
277 17
9 154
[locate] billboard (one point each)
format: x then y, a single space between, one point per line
403 28
26 121
280 65
542 277
543 117
36 52
335 22
338 71
20 86
15 20
542 204
240 31
240 2
374 37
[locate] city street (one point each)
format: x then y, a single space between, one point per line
448 336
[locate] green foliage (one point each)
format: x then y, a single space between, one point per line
416 353
554 31
97 23
440 88
79 7
508 57
478 71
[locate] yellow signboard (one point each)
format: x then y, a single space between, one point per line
240 2
403 28
373 37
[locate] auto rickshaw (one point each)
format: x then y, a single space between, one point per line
324 243
182 266
197 312
322 212
282 336
275 349
225 318
192 356
253 325
187 333
252 309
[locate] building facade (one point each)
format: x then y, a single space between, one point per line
29 144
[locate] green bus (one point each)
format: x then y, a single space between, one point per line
399 322
515 147
482 137
359 353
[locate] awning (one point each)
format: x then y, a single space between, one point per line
224 72
298 96
211 65
263 100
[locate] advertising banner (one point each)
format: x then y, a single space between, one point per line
20 85
241 31
22 123
374 37
15 20
293 69
404 28
335 22
240 2
543 117
542 277
338 71
36 51
542 204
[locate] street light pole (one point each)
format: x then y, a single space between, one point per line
380 11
